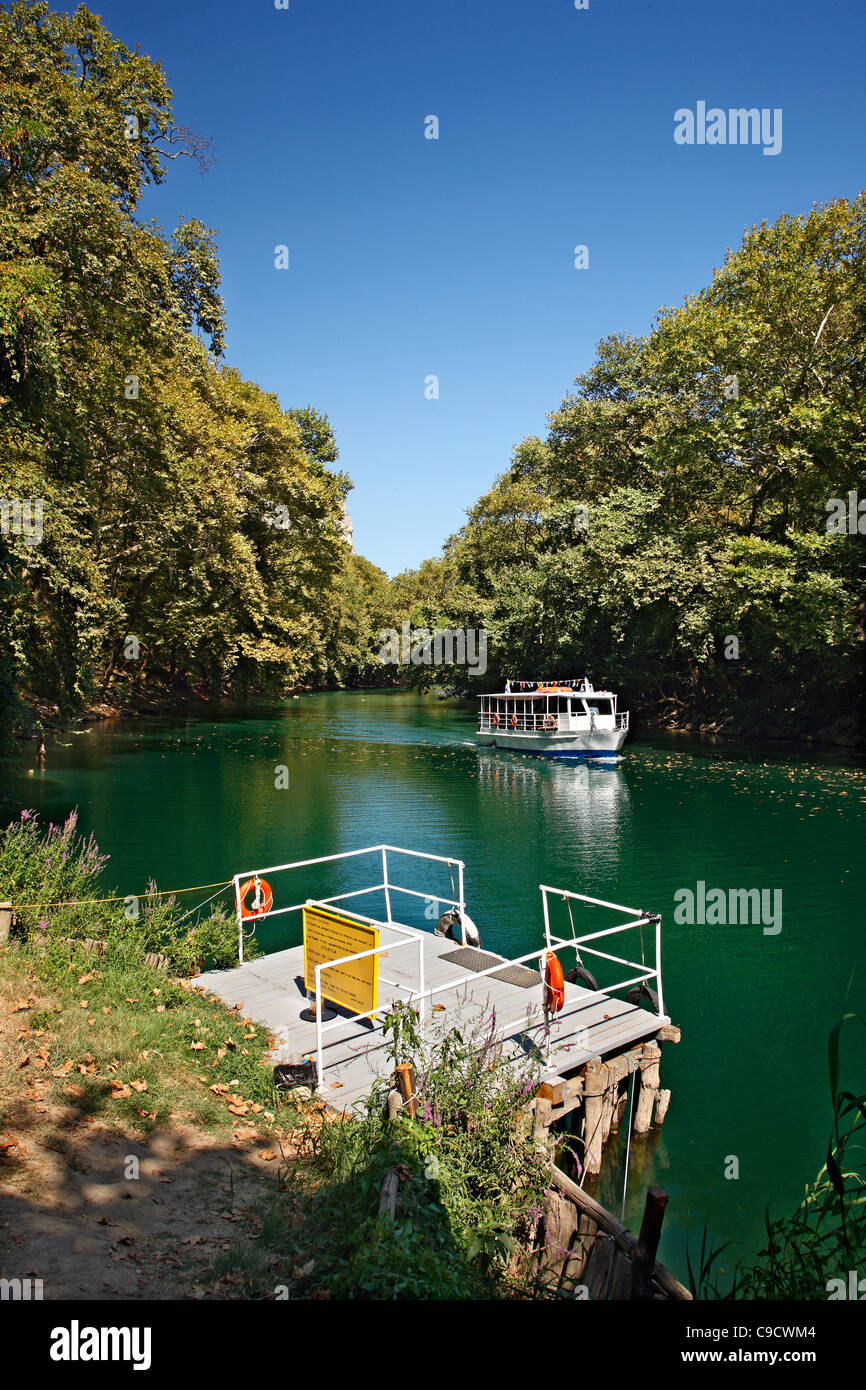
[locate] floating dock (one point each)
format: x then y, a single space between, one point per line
592 1024
597 1053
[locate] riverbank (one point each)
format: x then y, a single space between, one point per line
846 735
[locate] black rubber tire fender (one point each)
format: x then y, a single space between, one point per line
641 993
578 974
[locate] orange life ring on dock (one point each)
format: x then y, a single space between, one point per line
514 721
263 898
497 721
554 984
551 721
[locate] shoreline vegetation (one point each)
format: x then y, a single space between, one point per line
688 529
845 736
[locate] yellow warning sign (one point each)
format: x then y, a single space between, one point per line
328 936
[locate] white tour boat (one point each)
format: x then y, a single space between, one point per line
563 719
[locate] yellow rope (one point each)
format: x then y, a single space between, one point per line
160 893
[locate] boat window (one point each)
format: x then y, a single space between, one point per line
599 706
564 703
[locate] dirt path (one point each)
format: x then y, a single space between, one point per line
73 1213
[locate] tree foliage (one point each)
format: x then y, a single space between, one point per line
191 526
681 497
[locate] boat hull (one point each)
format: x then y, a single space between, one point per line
591 743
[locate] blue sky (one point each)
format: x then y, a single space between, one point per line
411 257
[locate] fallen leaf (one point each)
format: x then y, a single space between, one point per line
138 1084
196 1047
267 1155
85 979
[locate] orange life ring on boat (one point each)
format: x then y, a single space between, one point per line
497 721
263 900
551 721
554 984
514 721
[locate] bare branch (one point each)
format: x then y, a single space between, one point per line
188 143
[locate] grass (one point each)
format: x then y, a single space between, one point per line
131 1044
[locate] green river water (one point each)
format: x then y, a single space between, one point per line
192 800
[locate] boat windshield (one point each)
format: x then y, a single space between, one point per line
596 705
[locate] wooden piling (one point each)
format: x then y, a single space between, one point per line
595 1078
406 1086
543 1116
662 1103
388 1195
596 1224
649 1084
5 922
644 1254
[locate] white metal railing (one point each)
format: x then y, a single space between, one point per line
386 886
552 943
642 920
418 995
548 723
322 1027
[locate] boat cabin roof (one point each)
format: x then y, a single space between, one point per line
542 694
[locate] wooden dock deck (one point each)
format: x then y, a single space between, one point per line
270 990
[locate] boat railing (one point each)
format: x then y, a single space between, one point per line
517 723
